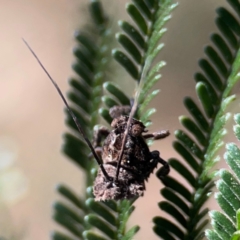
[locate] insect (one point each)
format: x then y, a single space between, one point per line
125 161
137 162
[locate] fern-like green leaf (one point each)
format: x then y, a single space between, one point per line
141 46
136 57
110 219
60 236
85 95
226 224
200 151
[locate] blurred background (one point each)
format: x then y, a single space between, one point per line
31 112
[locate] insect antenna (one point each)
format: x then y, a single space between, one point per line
133 110
80 129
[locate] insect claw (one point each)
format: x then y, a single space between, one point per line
155 154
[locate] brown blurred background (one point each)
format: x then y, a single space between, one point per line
31 112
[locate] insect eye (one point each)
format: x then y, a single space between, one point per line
136 130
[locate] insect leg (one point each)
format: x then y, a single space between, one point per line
157 135
165 169
99 132
80 129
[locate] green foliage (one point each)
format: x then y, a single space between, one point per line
138 63
198 144
200 151
91 55
226 225
110 218
81 216
140 42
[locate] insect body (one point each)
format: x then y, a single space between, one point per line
125 161
136 165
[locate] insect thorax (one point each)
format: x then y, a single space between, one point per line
136 152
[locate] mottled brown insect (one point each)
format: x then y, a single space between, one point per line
125 161
137 161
